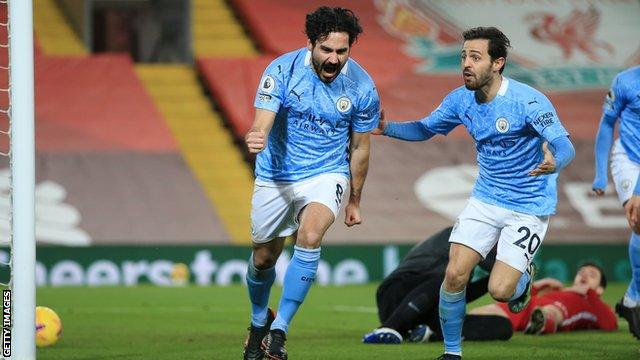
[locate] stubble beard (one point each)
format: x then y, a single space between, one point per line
481 80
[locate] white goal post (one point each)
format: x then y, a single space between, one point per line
22 164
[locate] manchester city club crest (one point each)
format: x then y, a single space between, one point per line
502 125
267 84
343 104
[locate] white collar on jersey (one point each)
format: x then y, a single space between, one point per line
307 62
503 86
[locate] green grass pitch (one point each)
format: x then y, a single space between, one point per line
210 323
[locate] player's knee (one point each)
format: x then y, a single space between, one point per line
455 278
309 239
264 259
501 291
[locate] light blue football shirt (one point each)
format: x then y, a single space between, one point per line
623 102
312 128
508 132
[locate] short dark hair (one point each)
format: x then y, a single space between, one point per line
325 20
603 278
498 41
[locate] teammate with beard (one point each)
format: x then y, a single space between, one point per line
315 108
521 147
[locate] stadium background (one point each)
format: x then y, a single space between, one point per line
141 107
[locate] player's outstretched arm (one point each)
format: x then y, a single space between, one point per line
358 166
557 155
603 143
408 131
256 137
441 121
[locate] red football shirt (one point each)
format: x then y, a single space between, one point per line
580 312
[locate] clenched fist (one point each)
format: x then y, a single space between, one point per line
255 140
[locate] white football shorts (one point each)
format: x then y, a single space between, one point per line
275 206
624 172
480 226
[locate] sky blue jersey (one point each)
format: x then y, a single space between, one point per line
509 132
623 102
312 128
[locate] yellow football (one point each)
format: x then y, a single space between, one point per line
48 327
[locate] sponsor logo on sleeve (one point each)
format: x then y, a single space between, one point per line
267 84
545 120
264 98
372 112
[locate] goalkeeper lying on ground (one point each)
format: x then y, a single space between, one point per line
408 301
408 298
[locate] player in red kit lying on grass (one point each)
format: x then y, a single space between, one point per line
555 308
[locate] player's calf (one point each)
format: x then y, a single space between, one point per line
500 292
518 304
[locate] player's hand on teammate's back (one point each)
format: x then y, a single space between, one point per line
381 125
632 212
352 215
255 140
548 164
